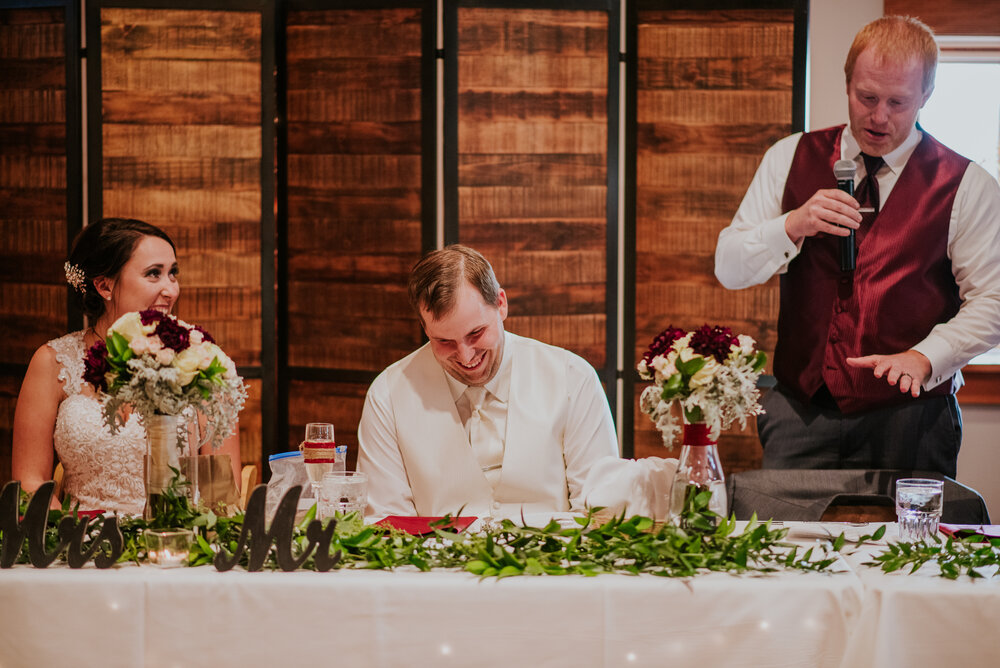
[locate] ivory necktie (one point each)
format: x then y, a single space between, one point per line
485 439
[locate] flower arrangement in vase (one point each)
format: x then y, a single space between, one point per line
168 372
703 380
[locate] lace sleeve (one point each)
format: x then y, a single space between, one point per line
69 354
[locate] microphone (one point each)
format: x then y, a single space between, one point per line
844 171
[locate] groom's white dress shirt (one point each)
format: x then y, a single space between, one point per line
546 402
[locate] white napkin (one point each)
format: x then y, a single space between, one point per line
639 486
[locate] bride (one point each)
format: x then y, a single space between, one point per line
117 265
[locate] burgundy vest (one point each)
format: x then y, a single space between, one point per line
902 286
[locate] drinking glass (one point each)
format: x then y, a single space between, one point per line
918 508
343 493
319 451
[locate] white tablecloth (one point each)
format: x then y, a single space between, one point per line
142 616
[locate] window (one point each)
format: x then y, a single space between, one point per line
964 110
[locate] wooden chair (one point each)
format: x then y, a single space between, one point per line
57 477
248 480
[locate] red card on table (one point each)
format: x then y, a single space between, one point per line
961 531
420 526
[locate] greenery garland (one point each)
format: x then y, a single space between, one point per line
702 542
973 556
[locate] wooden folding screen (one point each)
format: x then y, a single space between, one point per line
40 187
340 190
360 200
531 148
178 141
712 89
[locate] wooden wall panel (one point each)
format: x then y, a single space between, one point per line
33 223
354 189
33 189
714 92
532 166
951 17
181 148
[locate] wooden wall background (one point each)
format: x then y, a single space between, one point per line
180 135
532 167
530 178
951 17
714 91
356 209
34 189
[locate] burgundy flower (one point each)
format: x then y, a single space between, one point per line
96 366
151 315
173 335
661 344
714 341
205 336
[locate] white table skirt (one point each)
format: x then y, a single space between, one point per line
142 616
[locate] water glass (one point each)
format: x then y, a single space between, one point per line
918 508
342 493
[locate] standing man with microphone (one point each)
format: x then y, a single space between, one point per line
872 331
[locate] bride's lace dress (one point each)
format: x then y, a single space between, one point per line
101 470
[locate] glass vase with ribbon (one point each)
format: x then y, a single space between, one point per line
164 477
172 463
699 470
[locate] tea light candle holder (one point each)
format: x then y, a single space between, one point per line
168 549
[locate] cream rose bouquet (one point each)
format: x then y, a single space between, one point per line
161 365
709 374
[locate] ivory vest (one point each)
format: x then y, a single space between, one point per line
442 469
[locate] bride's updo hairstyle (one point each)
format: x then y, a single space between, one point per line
102 249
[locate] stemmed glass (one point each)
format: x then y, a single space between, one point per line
319 451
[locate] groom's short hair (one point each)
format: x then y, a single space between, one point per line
436 278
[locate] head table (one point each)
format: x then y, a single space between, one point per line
143 616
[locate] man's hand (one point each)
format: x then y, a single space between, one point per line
910 369
831 211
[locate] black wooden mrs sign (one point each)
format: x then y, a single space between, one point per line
106 547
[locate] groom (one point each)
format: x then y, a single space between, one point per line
478 417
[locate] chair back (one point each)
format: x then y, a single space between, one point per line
813 495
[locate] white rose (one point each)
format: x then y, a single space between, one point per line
165 356
139 345
195 337
746 344
703 376
129 326
682 343
687 354
187 362
224 360
665 365
155 344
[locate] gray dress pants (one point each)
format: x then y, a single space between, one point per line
919 435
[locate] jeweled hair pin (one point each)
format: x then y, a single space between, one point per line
76 277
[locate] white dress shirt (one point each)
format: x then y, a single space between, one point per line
755 247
